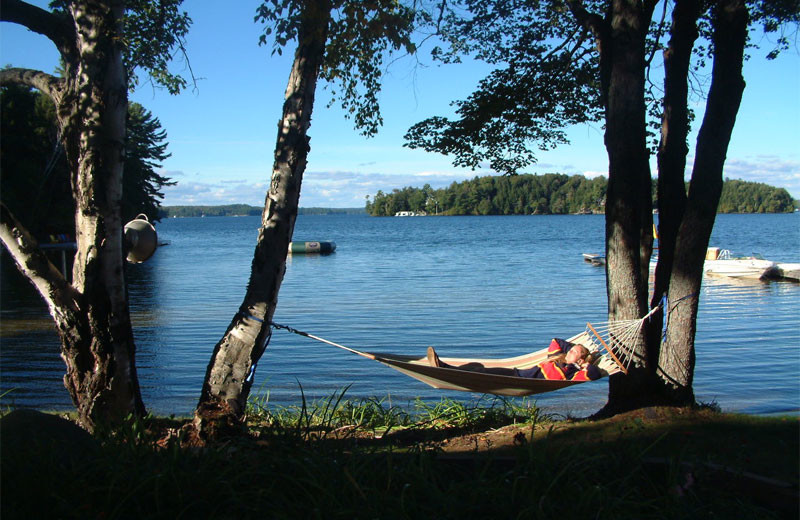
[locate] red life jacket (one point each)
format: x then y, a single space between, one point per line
552 370
582 375
559 346
558 370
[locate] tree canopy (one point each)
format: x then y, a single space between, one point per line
548 75
145 150
360 37
36 181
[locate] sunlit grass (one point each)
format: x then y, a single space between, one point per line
336 414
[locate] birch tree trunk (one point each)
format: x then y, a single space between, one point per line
91 314
232 367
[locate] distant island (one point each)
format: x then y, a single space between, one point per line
524 194
552 193
244 210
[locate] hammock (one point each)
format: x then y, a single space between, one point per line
612 344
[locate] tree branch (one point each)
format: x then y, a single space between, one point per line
48 84
592 22
54 26
656 44
567 40
60 296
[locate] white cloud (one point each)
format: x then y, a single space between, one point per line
768 169
340 189
593 174
450 176
350 189
191 193
587 170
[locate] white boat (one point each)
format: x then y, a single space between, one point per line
594 259
720 262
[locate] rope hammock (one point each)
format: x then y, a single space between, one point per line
613 345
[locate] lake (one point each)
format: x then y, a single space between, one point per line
470 286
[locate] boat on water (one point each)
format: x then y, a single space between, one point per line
594 259
721 262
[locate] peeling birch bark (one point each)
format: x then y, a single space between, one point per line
231 370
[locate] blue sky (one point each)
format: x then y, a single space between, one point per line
222 134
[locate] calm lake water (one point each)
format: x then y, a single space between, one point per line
470 286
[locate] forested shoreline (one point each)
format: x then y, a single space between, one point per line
553 193
525 194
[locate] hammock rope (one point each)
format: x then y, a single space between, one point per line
600 338
322 340
622 339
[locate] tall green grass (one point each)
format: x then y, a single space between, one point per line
335 414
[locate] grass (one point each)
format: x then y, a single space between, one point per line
492 458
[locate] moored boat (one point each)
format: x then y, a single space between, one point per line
594 259
720 262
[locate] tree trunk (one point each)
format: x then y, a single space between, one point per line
673 147
672 153
677 355
628 203
232 367
92 314
98 273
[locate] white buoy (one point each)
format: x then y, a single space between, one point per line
141 239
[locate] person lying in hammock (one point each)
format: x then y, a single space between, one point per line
565 361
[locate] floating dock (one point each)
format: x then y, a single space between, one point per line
311 248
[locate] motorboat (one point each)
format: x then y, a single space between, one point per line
594 259
721 262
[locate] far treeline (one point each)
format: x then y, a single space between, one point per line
552 193
241 210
